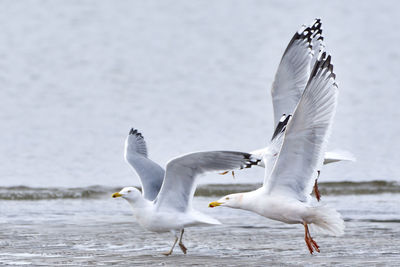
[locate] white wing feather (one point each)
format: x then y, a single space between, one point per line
294 69
180 178
306 135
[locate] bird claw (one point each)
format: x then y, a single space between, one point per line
167 253
183 248
309 247
311 244
314 244
316 190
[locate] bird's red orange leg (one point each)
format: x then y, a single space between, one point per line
316 191
225 172
312 242
306 238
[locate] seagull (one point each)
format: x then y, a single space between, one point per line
285 194
165 202
290 81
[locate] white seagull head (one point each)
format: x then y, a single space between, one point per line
131 194
231 201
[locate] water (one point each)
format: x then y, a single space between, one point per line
75 76
85 226
102 231
94 192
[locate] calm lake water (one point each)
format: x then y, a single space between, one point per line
75 76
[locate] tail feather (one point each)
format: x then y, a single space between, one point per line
327 220
205 219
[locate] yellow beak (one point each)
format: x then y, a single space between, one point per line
214 204
116 195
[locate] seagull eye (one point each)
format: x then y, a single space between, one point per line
129 191
227 198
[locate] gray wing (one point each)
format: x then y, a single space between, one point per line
180 178
294 69
306 135
150 173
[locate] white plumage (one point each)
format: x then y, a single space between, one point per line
285 194
290 81
165 205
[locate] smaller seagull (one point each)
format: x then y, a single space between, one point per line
285 194
165 205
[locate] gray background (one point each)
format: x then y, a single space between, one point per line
190 75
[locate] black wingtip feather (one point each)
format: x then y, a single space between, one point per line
323 62
251 161
308 34
327 62
281 127
135 132
330 68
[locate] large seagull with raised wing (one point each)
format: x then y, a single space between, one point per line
285 194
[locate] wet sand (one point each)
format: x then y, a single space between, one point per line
103 232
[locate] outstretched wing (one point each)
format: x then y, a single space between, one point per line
338 155
150 173
180 178
294 69
306 135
